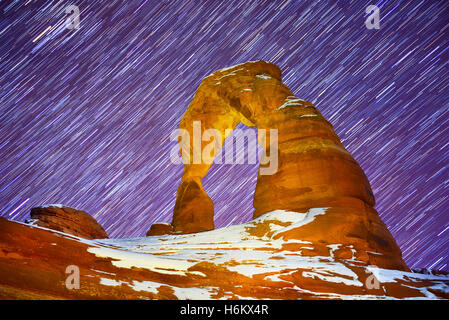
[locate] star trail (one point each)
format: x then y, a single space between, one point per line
86 114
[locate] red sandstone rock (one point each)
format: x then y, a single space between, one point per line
220 264
314 169
313 165
194 210
325 242
68 220
160 228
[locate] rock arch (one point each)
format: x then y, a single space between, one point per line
314 169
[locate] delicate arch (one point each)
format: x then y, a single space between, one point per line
314 167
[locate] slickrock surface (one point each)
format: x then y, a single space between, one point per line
256 260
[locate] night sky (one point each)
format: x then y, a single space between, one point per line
86 115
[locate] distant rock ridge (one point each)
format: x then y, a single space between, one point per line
65 219
314 168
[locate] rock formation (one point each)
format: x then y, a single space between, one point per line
249 261
160 228
315 233
68 220
194 210
314 169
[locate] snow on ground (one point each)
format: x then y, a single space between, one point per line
239 250
233 247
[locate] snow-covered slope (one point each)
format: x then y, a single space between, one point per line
247 261
237 249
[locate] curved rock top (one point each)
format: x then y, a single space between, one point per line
69 220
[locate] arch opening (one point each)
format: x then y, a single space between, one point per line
233 196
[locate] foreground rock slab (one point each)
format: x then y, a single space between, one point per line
262 259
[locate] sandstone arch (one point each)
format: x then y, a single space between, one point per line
314 169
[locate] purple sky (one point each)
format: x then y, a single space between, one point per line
86 115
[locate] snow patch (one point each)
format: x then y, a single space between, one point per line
110 282
192 293
58 205
129 259
104 272
148 286
309 217
32 222
232 67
